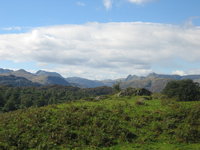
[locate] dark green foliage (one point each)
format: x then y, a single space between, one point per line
116 87
73 127
183 90
1 101
183 123
13 98
135 92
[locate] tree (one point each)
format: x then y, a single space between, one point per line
116 87
1 101
26 101
182 90
10 105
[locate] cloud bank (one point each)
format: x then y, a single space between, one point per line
104 50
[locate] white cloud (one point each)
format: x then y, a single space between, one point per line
187 72
104 50
179 72
140 1
80 3
108 4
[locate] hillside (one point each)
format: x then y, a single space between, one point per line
84 83
16 81
111 123
51 80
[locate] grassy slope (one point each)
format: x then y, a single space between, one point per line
113 123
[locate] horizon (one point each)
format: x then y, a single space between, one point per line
102 39
124 77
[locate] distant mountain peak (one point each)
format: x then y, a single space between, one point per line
5 70
153 74
22 70
46 73
133 77
40 71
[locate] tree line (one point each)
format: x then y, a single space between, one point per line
13 98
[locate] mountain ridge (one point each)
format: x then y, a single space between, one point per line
153 82
41 77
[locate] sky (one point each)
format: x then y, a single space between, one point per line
101 39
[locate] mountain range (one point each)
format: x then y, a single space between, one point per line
40 77
153 82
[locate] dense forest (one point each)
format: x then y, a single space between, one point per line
13 98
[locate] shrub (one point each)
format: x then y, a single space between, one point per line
189 130
71 128
140 102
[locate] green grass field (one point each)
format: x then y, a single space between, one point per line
113 123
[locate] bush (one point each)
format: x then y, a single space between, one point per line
139 102
189 131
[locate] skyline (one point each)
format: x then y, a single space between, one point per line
101 39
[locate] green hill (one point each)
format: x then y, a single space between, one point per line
133 122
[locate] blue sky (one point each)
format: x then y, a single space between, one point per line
94 39
29 13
